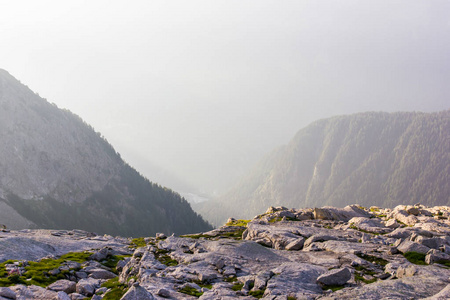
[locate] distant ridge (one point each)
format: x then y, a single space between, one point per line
57 172
372 158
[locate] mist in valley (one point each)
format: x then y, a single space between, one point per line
192 94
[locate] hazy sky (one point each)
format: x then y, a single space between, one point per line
205 88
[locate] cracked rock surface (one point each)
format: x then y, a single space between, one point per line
312 253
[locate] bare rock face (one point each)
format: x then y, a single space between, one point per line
272 257
335 277
63 285
137 293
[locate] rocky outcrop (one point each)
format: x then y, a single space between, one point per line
280 254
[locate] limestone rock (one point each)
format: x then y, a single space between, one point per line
7 293
137 292
409 246
335 277
101 274
63 296
87 286
63 285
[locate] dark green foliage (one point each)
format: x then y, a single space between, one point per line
149 209
257 294
112 260
138 242
190 291
415 258
360 278
373 259
375 159
334 288
162 256
37 273
117 289
230 279
360 271
237 286
444 262
127 204
240 223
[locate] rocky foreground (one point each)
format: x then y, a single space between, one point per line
320 253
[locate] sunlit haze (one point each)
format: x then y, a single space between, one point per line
201 90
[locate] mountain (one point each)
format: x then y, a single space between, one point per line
368 158
57 172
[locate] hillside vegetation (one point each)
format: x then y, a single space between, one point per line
372 158
57 172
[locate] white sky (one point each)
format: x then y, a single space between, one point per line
205 88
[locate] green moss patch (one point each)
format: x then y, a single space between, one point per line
257 294
240 223
237 287
112 260
138 242
188 290
334 288
38 273
230 279
415 258
162 256
117 289
373 259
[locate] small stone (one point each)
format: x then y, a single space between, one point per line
137 293
63 296
413 211
393 250
296 244
161 236
163 293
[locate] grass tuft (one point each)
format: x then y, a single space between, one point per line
138 242
415 258
188 290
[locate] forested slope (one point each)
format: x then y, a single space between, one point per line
57 172
380 159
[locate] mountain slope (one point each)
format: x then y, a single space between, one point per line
369 158
57 172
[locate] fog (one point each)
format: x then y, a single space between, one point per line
192 93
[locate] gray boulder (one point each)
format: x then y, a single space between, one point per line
335 277
7 293
435 256
101 274
63 296
318 238
63 285
296 244
76 296
409 246
100 255
137 292
87 286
